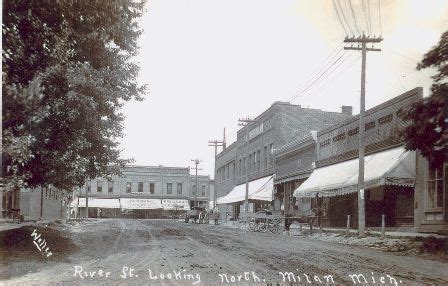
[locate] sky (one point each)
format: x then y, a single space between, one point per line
209 62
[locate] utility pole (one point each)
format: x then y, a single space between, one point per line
363 40
87 198
216 143
245 122
196 162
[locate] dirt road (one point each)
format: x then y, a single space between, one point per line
162 252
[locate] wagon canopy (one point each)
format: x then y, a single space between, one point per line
260 189
391 167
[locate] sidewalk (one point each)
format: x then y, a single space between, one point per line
398 233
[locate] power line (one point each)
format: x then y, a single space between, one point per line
379 14
365 16
335 71
370 20
320 76
345 19
339 17
327 60
354 18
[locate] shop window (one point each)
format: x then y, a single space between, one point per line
435 188
151 188
140 187
128 187
179 188
169 188
99 186
203 190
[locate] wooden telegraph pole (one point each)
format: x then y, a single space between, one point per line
196 162
216 143
363 40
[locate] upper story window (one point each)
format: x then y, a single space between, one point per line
140 187
151 188
370 125
203 190
179 188
339 137
169 188
266 155
353 131
128 187
385 119
325 142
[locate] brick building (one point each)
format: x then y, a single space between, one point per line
143 192
389 169
281 123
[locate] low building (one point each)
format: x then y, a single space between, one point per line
294 163
143 192
44 203
389 175
281 123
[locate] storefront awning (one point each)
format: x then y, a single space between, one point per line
96 203
260 189
391 167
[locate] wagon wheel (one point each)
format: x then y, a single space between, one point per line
262 225
253 226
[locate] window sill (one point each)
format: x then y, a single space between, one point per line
434 210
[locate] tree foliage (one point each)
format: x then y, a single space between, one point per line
427 131
67 70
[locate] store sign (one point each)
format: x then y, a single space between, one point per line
172 204
140 204
256 131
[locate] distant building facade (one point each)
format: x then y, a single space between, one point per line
143 192
278 125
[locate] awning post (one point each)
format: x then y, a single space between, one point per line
383 224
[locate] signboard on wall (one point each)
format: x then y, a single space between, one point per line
173 204
256 131
140 204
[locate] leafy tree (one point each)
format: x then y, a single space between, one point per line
67 70
427 130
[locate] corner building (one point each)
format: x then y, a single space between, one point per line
281 123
